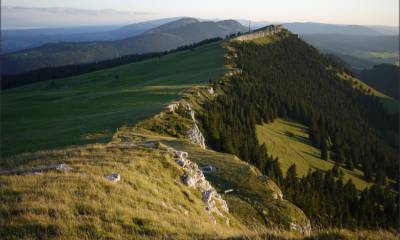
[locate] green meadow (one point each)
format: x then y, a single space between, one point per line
90 107
288 140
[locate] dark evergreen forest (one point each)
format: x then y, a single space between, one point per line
290 79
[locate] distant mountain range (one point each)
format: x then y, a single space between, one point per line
359 46
20 39
359 51
164 37
322 28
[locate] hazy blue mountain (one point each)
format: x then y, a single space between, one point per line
15 40
165 37
355 63
386 30
353 42
13 17
360 51
322 28
325 28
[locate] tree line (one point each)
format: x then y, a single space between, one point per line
290 79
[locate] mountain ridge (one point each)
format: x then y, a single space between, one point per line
73 53
226 111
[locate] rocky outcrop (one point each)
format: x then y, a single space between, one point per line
304 229
196 136
193 134
172 107
263 32
193 177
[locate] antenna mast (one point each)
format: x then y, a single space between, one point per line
249 25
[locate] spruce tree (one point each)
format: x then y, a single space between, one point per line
324 150
336 170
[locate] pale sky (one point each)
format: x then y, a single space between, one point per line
362 12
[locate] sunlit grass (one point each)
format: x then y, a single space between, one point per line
37 116
288 140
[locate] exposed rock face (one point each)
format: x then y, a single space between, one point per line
194 133
303 229
194 177
196 136
172 107
266 31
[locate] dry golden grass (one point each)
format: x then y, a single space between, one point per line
148 202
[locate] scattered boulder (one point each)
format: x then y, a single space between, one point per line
181 154
114 177
208 169
63 168
228 191
188 180
211 90
180 162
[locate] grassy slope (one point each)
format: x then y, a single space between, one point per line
88 108
288 140
149 202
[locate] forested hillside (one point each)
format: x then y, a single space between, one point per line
383 77
284 77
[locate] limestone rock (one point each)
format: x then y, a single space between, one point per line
306 229
194 177
266 31
114 177
207 169
228 191
63 168
172 107
196 136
